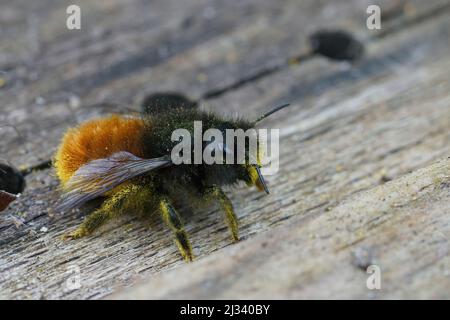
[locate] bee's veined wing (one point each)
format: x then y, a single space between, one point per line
102 175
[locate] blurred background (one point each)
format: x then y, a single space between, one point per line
369 86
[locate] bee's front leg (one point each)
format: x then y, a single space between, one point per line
173 220
230 216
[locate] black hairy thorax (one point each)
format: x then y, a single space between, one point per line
157 142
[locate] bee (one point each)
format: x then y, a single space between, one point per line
126 160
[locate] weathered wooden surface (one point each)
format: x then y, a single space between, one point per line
409 213
351 128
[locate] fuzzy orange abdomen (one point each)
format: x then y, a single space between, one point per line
97 139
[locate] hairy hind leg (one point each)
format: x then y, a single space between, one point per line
173 221
138 199
226 205
131 197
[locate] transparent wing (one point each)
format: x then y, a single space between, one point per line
102 175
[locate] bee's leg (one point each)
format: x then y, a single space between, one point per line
111 208
227 207
173 220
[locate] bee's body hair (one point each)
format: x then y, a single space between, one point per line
149 137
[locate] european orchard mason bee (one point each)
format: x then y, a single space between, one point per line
127 160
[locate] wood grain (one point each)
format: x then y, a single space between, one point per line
56 77
327 257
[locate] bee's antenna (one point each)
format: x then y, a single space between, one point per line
265 115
